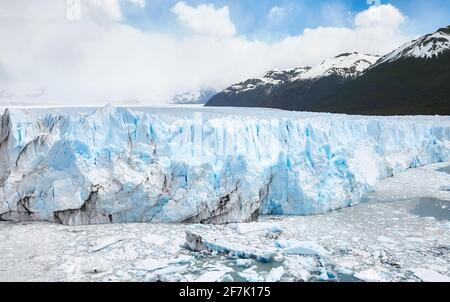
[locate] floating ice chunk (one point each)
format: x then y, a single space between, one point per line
151 264
227 278
429 275
301 248
154 239
445 188
196 242
386 239
183 259
275 274
245 228
243 262
103 243
251 275
416 239
213 275
170 270
324 275
210 276
446 225
300 267
301 275
369 275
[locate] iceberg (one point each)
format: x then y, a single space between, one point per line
198 243
200 165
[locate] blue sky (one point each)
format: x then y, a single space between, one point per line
253 18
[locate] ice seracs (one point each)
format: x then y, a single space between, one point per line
213 165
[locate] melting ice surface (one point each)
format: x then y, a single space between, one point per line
209 165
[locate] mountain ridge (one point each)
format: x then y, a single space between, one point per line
413 79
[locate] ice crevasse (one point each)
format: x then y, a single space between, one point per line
207 165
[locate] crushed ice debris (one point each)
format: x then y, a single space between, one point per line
214 275
183 259
251 275
294 247
447 225
103 243
151 264
429 275
170 270
243 262
227 278
445 188
275 274
197 243
154 239
245 228
369 275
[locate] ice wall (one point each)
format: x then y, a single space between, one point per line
208 165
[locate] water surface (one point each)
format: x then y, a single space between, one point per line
432 207
444 169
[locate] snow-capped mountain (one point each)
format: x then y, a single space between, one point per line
428 46
269 80
260 91
346 65
413 79
194 96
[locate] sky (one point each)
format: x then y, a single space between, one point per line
78 52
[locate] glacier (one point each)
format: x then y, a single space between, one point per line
200 165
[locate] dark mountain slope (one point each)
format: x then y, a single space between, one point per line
414 79
403 87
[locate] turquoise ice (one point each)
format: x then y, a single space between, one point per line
208 165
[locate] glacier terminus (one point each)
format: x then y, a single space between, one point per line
200 165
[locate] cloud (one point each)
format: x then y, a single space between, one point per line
380 16
109 8
205 19
46 58
277 12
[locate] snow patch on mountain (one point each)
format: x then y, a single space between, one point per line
345 65
269 79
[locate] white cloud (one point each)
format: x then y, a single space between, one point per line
205 19
100 59
380 16
109 8
276 12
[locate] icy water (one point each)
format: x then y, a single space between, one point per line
401 233
444 169
424 206
432 207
